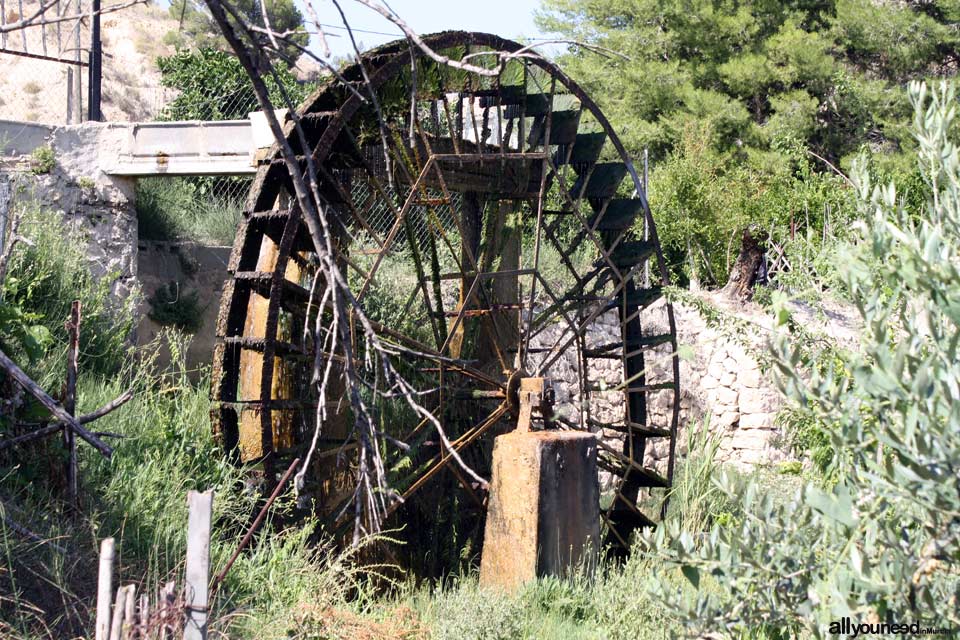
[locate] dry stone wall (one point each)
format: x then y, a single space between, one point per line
720 382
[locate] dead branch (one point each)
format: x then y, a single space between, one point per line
39 17
54 407
27 533
114 404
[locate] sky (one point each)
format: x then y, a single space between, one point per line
508 18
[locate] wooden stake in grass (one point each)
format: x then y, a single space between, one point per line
104 589
116 625
70 403
197 574
144 613
129 608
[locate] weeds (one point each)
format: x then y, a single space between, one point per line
205 210
42 160
50 271
163 448
173 306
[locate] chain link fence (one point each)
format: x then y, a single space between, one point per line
202 209
43 67
423 220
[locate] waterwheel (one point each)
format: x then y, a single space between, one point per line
495 230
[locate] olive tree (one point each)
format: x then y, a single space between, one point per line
881 544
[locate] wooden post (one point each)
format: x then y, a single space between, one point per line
130 605
104 589
165 607
197 574
70 403
144 614
116 626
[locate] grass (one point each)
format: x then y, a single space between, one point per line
43 160
138 496
163 448
204 210
50 271
617 603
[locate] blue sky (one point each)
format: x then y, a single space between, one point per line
507 18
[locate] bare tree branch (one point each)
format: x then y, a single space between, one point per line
39 17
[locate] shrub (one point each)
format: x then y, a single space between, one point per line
42 160
171 305
212 85
51 270
882 544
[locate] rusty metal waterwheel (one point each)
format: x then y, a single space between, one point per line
502 222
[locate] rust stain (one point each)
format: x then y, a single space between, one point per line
163 160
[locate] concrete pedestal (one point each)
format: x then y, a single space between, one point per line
543 516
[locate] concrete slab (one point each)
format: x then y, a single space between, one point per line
186 148
543 516
21 138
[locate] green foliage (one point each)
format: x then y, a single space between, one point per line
165 449
895 40
20 332
807 436
196 25
765 57
171 305
615 603
729 96
138 495
466 613
43 160
50 271
205 210
212 85
703 199
882 542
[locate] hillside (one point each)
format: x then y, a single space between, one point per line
36 90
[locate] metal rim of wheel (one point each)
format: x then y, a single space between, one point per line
489 239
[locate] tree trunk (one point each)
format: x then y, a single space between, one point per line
746 269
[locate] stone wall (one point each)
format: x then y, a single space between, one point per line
195 269
722 382
719 380
94 206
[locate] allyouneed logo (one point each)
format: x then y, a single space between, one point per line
846 627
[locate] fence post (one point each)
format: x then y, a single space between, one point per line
198 564
104 590
77 74
119 606
96 65
70 404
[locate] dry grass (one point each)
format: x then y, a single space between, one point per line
399 623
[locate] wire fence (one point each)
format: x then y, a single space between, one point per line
203 209
43 66
426 218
